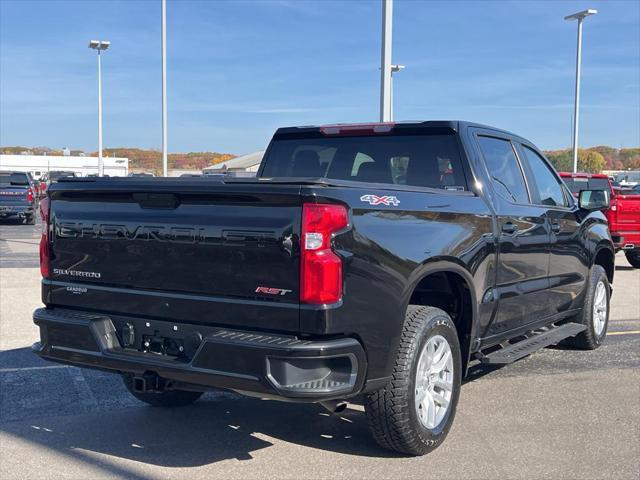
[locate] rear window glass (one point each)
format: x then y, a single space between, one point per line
628 177
576 184
418 160
7 179
55 176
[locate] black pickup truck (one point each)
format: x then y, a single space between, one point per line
377 259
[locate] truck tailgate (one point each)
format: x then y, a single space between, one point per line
201 251
628 212
13 196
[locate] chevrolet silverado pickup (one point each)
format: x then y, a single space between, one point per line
376 260
18 196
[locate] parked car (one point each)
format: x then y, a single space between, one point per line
44 184
18 196
56 175
628 179
377 259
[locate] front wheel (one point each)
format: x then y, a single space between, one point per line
595 312
414 412
633 257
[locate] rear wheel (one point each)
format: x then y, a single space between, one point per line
414 412
30 220
595 312
633 257
167 398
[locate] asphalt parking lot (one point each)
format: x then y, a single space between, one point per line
556 414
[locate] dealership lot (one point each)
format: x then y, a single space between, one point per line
556 414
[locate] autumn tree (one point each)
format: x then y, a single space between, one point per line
589 160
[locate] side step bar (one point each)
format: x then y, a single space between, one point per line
531 344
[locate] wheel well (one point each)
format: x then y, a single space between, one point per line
450 292
606 260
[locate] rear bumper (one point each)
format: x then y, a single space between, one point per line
16 211
253 363
626 240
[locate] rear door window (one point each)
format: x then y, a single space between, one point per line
504 169
420 160
548 186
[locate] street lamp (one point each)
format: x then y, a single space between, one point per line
387 69
163 15
99 45
580 16
385 60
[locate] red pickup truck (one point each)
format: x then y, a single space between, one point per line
623 214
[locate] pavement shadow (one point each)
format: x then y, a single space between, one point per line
81 413
11 221
478 370
624 267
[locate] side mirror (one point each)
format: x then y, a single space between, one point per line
593 199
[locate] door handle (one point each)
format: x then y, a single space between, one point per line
555 227
509 227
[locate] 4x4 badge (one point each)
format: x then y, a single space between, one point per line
376 200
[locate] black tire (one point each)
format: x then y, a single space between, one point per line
391 412
30 220
633 257
168 398
589 339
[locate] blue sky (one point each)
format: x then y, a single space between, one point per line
239 69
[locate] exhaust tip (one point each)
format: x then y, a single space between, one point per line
334 406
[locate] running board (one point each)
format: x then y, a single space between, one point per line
529 345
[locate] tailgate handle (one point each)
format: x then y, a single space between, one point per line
156 200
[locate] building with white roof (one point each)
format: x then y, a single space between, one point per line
244 163
38 165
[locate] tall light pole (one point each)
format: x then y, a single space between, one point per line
99 45
385 65
580 16
387 69
164 87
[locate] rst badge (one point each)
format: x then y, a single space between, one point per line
272 291
376 200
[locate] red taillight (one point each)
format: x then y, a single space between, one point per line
29 195
45 256
320 267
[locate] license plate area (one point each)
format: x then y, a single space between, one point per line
173 347
164 339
